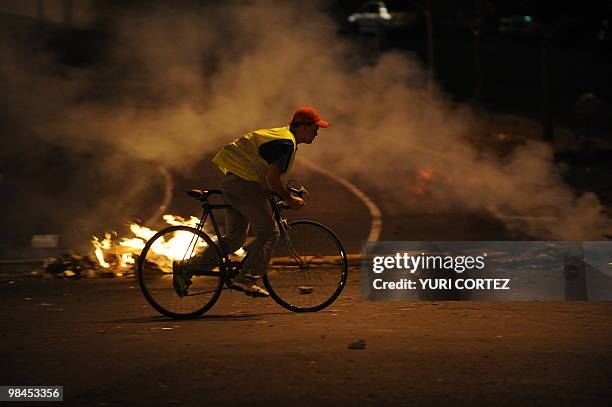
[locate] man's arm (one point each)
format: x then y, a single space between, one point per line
273 174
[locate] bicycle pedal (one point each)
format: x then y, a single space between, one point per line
254 294
237 288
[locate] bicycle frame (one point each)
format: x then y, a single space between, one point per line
282 227
209 213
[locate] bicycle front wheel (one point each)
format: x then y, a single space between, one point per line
155 271
308 269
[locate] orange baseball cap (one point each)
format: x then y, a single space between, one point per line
307 115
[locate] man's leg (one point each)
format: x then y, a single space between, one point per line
260 252
236 231
253 204
236 227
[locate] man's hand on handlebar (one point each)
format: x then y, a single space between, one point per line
295 202
291 196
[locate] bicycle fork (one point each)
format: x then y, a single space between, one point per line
283 225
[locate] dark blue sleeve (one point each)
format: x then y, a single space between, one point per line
277 152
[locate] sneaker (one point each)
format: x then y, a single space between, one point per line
250 289
181 278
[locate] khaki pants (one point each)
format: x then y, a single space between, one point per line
249 205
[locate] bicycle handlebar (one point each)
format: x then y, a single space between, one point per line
300 192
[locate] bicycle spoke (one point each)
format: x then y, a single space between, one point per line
157 279
319 279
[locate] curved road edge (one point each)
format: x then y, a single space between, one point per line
375 213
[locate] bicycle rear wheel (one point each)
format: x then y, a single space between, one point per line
308 269
181 243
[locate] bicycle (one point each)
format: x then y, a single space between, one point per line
307 272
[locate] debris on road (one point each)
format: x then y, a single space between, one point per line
359 345
69 265
305 289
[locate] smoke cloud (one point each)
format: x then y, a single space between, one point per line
177 82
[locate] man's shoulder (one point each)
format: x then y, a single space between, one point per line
280 143
280 132
277 151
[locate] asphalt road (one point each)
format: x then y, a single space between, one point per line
100 339
102 342
106 346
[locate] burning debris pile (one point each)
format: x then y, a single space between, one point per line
115 256
69 265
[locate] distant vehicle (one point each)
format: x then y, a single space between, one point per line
371 19
519 27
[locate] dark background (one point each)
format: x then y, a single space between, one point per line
554 70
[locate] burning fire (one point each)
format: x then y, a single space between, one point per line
100 247
162 253
423 179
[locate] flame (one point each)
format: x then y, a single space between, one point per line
162 253
423 179
141 231
99 247
425 174
127 259
177 221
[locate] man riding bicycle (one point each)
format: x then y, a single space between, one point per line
254 166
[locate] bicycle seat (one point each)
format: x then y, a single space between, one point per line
202 195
